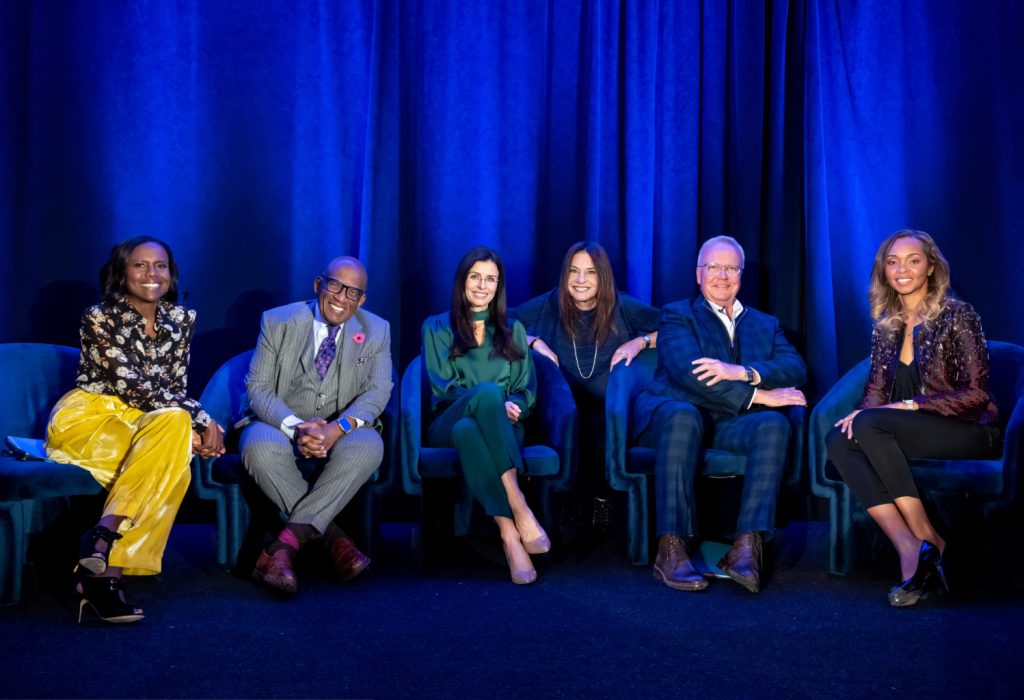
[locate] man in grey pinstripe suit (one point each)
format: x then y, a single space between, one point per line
319 379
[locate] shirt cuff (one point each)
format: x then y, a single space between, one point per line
752 399
288 426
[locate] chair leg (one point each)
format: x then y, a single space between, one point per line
841 535
12 551
370 519
638 535
235 526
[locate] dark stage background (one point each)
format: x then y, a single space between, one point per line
261 139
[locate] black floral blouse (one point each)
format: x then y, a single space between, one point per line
119 359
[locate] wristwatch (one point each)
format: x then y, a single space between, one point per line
346 425
910 404
647 341
750 374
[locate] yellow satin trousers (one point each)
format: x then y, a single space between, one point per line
142 459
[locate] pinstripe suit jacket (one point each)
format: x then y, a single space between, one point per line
689 330
284 349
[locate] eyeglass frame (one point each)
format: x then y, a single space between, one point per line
488 280
707 268
326 281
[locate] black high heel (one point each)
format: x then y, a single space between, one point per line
103 595
929 563
91 559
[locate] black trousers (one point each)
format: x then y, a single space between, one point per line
874 464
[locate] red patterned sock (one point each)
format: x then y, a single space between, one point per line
292 537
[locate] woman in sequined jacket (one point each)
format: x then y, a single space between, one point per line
926 397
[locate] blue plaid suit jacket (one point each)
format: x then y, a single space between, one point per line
690 330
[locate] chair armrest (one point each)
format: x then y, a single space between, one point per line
410 428
797 416
556 423
624 383
842 398
390 466
1012 455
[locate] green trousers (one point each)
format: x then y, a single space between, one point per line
488 443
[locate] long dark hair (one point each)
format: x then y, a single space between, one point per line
112 285
607 296
462 314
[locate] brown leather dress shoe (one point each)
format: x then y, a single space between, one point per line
674 568
275 570
349 562
743 561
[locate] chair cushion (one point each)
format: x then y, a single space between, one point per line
30 480
443 462
958 475
717 463
966 475
229 469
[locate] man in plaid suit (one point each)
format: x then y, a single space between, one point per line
720 366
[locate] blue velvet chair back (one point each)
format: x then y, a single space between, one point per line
994 482
32 377
630 467
224 396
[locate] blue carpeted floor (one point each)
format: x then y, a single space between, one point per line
592 626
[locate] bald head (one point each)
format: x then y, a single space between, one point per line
347 261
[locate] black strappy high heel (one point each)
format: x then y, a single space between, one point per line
91 559
103 595
929 563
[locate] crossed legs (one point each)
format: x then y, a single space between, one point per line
875 466
311 507
489 450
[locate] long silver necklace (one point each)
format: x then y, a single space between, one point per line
592 366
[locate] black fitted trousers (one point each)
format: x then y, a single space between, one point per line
874 464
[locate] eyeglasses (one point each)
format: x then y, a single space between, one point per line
476 278
715 270
333 286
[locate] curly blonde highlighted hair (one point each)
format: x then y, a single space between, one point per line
886 309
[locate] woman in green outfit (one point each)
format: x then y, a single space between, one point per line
482 385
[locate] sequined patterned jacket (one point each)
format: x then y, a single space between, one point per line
952 359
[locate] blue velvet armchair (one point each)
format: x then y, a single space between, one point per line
549 451
994 482
33 493
630 467
221 480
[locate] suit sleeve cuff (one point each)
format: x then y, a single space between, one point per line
288 426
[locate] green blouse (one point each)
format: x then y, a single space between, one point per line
450 379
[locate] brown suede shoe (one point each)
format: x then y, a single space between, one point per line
349 562
743 561
674 568
275 570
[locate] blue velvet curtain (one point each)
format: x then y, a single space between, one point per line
261 139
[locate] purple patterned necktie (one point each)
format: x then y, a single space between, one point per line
326 353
